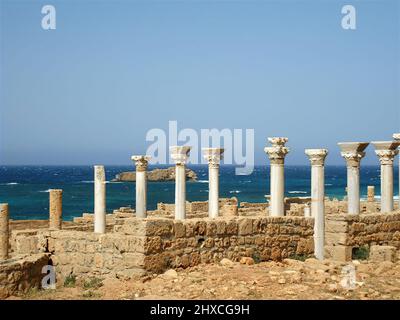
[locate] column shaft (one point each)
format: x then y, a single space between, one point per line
353 190
386 188
99 200
141 194
277 205
4 231
318 209
180 192
55 218
213 186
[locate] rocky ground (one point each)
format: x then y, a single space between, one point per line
290 279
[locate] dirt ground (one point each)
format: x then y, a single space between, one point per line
290 279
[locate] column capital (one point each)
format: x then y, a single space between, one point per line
396 136
353 152
213 156
180 154
386 151
317 156
277 151
141 162
99 172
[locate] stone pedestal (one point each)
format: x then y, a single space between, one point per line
396 137
371 194
353 152
55 209
386 151
317 159
99 199
180 155
141 163
213 156
277 154
4 231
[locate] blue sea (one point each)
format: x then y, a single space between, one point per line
25 188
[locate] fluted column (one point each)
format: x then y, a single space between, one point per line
396 137
55 217
99 199
386 151
276 154
4 231
213 156
317 159
141 163
353 152
180 154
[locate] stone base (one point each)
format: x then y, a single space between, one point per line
383 253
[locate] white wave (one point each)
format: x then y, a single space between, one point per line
302 192
235 191
87 181
48 190
328 184
202 181
10 183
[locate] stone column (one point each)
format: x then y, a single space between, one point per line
4 231
180 154
353 152
396 137
371 194
99 199
141 163
55 219
213 156
386 151
276 155
317 159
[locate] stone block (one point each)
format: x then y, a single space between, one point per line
382 253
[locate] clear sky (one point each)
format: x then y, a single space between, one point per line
89 91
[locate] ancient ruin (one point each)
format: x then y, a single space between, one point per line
129 243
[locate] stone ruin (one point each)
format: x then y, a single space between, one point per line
130 243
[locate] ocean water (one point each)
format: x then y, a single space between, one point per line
25 188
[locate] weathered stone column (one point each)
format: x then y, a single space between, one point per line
55 219
386 151
4 231
353 152
99 199
371 194
276 155
317 159
396 137
213 156
180 154
141 163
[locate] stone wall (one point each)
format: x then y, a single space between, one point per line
346 232
152 245
20 274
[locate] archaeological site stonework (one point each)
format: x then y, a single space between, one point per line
130 243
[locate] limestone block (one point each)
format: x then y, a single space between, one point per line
339 253
382 253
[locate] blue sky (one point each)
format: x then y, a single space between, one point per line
89 91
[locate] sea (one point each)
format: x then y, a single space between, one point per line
25 188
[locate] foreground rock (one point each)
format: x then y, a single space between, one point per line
289 279
155 175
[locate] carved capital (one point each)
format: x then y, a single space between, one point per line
277 152
213 156
141 162
180 154
353 158
317 156
386 157
396 136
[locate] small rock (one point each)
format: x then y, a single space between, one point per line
247 260
226 262
281 281
171 273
